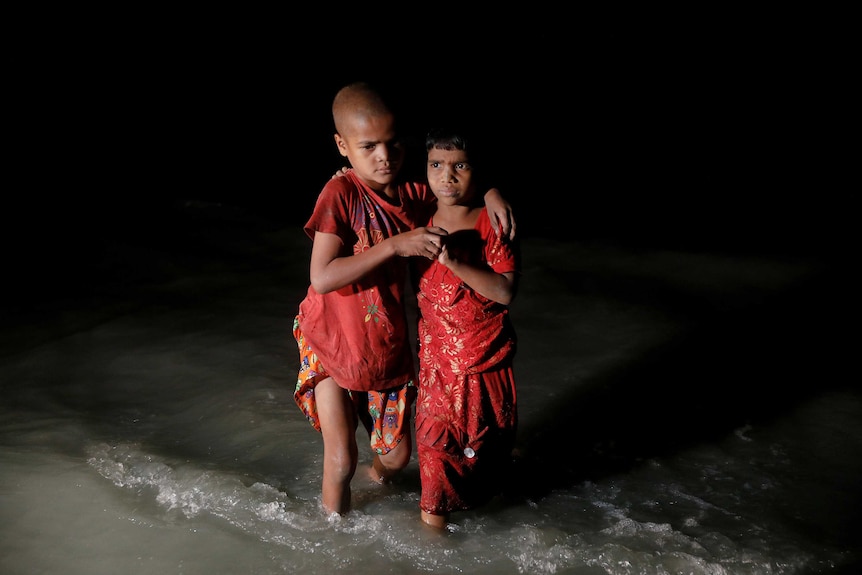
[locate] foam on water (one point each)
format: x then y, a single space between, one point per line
384 533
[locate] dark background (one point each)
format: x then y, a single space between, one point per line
710 131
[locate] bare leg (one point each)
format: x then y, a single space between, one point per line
384 467
340 453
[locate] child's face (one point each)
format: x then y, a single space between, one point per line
373 149
450 176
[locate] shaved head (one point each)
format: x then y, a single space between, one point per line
356 103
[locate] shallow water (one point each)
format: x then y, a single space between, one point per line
680 413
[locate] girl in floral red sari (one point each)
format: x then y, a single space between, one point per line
466 410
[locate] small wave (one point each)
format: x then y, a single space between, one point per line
385 534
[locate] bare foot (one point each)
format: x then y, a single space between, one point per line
435 521
375 476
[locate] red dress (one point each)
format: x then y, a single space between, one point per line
359 332
466 410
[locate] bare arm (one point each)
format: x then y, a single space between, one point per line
330 271
494 286
500 211
502 218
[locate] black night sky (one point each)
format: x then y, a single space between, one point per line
693 134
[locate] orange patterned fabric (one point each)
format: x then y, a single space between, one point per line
385 414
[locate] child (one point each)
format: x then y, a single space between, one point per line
356 362
466 410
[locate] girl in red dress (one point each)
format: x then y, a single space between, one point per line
466 410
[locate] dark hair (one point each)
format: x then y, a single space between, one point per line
445 139
449 138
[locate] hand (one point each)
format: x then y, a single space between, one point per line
341 171
500 213
425 242
445 257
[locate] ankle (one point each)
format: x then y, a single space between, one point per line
435 521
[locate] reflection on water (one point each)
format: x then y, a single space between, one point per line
678 415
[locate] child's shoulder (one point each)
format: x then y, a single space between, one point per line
344 185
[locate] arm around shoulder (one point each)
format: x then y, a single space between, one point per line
500 212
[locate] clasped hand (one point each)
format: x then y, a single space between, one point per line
425 242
